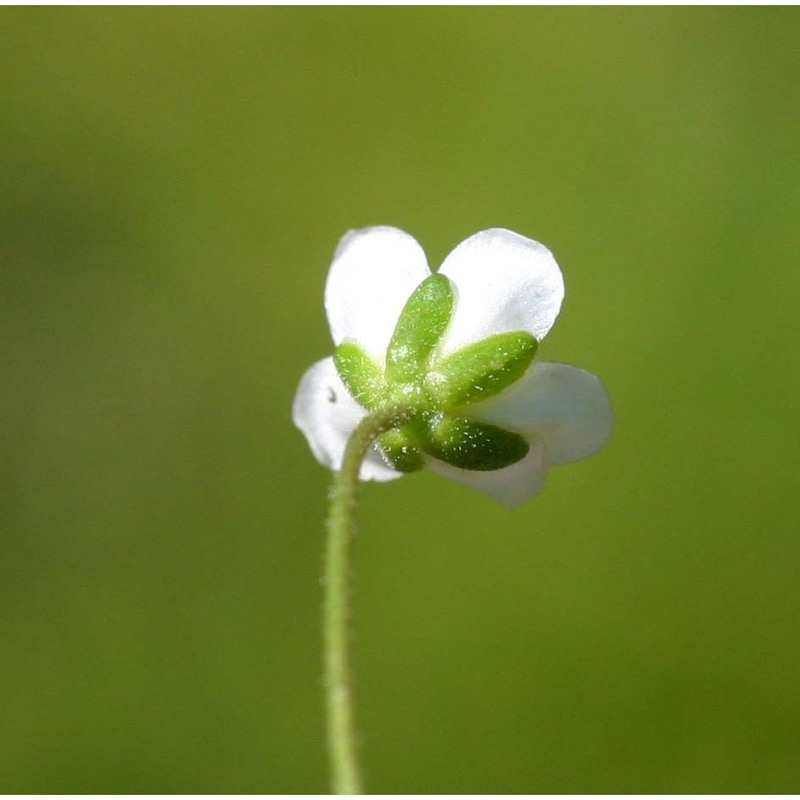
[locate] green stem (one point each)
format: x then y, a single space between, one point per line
346 778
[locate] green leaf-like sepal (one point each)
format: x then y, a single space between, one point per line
400 448
422 322
472 445
360 374
427 389
481 370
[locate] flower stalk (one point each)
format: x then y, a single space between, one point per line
345 771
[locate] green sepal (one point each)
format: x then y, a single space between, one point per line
400 448
422 322
472 445
360 374
481 370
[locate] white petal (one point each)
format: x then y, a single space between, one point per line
327 415
504 282
510 486
569 407
373 273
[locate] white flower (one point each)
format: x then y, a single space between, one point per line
460 350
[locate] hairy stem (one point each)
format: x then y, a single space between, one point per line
345 772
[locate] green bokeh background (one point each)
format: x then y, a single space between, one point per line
174 183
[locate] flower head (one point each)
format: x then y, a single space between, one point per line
456 349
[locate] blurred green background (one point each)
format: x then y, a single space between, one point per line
174 182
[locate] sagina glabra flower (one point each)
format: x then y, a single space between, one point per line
456 348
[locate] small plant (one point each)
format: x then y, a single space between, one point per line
436 370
